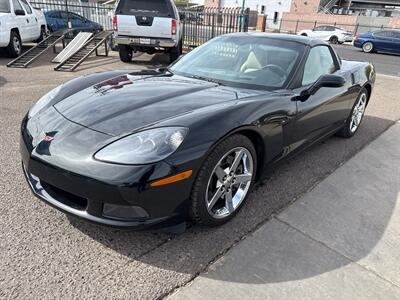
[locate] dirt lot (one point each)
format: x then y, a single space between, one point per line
44 254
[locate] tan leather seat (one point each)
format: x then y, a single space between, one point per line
251 64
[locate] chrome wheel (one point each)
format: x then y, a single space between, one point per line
229 182
358 113
367 47
16 45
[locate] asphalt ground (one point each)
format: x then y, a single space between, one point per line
46 255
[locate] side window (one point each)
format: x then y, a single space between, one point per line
17 5
26 6
330 28
63 15
396 34
319 62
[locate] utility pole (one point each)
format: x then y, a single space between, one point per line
242 16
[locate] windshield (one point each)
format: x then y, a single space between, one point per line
4 6
155 7
245 61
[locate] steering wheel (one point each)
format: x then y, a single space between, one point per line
276 69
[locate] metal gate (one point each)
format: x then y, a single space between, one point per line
199 26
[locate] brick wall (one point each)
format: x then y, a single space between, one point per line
305 6
308 21
394 22
211 3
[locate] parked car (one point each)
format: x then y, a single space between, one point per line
330 34
151 147
20 23
147 26
58 20
379 41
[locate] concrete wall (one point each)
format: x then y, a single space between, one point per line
291 21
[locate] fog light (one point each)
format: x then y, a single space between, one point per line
124 211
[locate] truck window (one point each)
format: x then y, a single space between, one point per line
17 5
26 6
160 8
4 6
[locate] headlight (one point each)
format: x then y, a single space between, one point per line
42 102
145 147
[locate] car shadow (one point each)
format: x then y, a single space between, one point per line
192 251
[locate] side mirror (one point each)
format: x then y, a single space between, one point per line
19 12
329 81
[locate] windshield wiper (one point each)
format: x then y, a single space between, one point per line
204 79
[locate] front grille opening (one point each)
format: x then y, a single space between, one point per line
65 197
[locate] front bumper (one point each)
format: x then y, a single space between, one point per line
145 42
86 198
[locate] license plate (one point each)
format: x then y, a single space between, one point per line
144 41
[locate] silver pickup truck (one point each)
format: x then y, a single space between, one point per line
147 26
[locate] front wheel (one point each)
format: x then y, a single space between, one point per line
14 48
125 53
224 181
357 114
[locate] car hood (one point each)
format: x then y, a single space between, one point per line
124 104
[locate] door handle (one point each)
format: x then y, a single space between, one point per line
27 21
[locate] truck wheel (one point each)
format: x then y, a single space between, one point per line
42 36
14 48
175 53
125 53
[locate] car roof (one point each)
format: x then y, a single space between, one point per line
305 40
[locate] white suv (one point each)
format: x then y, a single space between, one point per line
20 23
147 26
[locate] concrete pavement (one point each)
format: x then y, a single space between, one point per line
340 241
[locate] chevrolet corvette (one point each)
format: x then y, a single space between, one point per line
187 142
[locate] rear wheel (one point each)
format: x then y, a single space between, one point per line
224 181
43 34
14 48
175 52
357 113
368 47
125 53
334 39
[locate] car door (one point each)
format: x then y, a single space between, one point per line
21 20
395 43
319 32
33 27
325 110
383 41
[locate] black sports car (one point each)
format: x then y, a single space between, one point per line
187 142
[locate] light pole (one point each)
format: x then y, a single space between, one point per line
242 16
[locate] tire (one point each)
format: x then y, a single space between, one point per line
42 36
175 52
207 181
334 39
368 47
14 48
349 129
125 53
